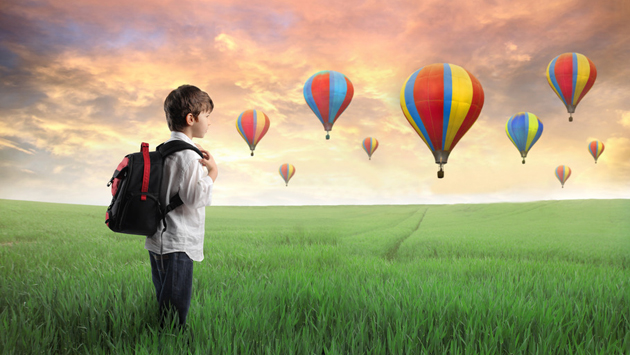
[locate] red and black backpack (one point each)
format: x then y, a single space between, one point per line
135 206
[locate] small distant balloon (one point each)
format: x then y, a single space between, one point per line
596 148
287 171
369 145
562 173
441 102
328 93
524 129
252 126
571 76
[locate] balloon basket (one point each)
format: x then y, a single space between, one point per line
440 174
252 153
570 118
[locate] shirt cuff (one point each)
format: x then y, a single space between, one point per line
206 180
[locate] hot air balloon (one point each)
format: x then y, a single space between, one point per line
571 76
252 125
441 102
287 171
596 148
562 173
369 145
524 129
328 93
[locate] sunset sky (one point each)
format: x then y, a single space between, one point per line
82 84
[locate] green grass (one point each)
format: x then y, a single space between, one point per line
550 277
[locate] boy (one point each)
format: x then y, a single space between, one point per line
187 109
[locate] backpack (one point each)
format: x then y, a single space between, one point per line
135 206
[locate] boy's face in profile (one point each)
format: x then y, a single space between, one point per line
200 127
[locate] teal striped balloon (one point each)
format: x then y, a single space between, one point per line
524 129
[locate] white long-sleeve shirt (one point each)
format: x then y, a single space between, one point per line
183 173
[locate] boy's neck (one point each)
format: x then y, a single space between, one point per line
188 132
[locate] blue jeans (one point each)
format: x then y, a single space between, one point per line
173 284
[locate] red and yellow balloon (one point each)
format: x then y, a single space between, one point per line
287 171
596 148
571 76
369 145
252 125
441 102
562 173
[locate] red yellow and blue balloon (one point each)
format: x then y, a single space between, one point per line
562 173
369 145
328 93
596 148
252 126
287 171
441 102
571 76
524 129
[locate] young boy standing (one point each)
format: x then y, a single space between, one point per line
187 111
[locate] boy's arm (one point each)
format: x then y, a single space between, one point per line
196 188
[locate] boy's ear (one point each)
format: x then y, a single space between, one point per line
190 119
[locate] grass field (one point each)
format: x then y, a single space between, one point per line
550 277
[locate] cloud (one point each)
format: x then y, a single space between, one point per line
625 118
9 144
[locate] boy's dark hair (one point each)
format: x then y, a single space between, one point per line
182 101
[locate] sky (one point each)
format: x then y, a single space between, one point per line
83 83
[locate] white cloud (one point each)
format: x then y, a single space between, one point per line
625 118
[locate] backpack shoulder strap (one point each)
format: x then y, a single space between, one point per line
175 202
167 149
171 147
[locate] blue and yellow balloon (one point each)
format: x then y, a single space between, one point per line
524 129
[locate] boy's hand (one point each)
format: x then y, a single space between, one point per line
203 151
209 163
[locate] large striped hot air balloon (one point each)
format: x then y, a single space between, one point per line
562 173
369 145
441 102
524 129
287 171
328 93
571 76
252 126
596 148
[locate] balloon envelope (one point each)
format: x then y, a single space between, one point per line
441 102
252 125
524 129
328 93
562 173
596 148
287 171
571 76
369 145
